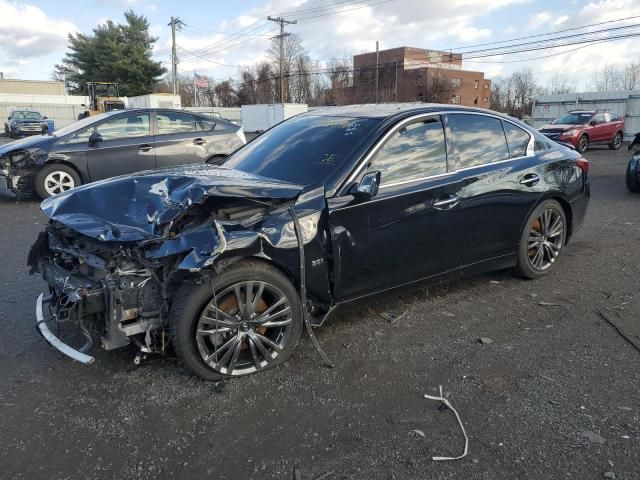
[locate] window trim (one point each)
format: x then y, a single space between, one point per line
452 149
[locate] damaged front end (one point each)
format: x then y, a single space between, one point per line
19 168
115 253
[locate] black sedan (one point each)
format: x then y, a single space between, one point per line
23 122
229 263
115 143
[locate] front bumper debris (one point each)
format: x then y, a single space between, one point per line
55 341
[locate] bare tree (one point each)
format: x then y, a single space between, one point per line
340 79
434 86
560 83
514 94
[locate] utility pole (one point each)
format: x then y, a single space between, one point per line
377 71
282 23
175 24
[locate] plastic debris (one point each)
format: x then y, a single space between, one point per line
446 403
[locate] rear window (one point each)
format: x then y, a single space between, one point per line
306 150
517 139
480 139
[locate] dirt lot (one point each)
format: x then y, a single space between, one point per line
553 396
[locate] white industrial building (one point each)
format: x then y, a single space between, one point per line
625 103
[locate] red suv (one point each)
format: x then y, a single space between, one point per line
582 128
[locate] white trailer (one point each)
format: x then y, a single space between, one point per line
155 100
258 118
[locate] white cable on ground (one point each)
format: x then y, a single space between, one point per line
466 439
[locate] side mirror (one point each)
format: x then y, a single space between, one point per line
593 123
45 118
94 139
368 186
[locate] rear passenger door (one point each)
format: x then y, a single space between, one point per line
179 139
500 180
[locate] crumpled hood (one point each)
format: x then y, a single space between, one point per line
132 207
27 142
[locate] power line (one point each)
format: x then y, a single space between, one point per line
344 11
544 34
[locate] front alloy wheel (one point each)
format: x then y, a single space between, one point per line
542 240
240 321
58 181
244 328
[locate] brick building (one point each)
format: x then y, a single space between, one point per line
408 74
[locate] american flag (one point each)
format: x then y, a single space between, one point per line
200 81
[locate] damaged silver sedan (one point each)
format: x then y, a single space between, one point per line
227 265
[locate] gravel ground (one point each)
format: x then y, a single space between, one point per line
554 395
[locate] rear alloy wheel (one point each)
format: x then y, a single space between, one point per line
633 183
54 179
616 143
583 144
246 319
542 240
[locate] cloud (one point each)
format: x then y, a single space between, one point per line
26 32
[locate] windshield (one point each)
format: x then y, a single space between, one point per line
27 116
304 150
80 124
573 118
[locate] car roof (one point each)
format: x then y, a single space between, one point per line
585 111
390 110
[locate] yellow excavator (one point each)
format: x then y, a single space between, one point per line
103 97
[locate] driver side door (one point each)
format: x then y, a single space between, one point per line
126 146
406 232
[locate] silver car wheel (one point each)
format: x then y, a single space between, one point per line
58 182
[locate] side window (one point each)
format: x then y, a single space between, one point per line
607 117
599 117
128 126
206 125
82 137
517 139
175 122
415 151
480 139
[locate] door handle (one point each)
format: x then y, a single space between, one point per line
529 180
199 141
446 203
144 148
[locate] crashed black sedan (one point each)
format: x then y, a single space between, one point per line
228 264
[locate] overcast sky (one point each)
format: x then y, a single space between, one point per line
33 34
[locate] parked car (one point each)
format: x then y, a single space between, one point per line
115 143
632 176
228 263
582 128
23 122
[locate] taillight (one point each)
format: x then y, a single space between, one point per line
583 164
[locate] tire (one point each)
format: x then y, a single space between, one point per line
632 181
539 249
56 178
245 342
583 143
616 143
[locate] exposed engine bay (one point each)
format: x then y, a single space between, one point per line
114 276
